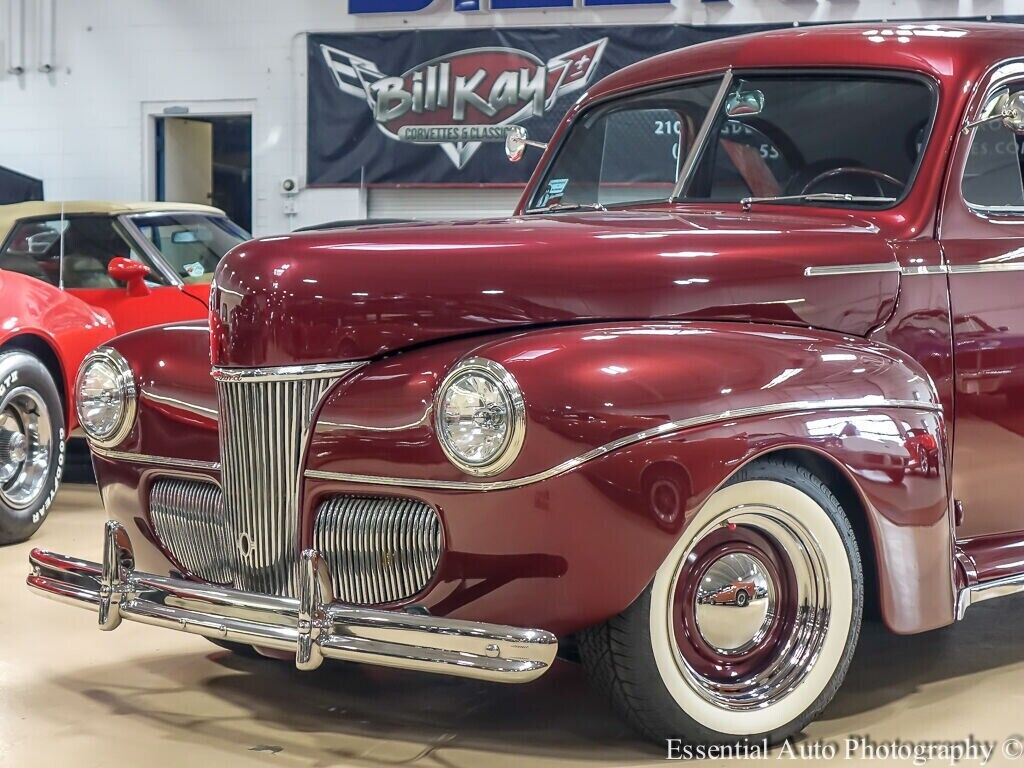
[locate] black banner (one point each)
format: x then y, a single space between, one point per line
432 107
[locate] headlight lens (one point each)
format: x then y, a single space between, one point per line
481 417
105 397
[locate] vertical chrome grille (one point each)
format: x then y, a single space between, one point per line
264 422
188 517
378 550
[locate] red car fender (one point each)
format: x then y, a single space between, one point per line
54 326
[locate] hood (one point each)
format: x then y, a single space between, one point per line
359 293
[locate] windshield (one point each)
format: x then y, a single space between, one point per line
775 135
192 244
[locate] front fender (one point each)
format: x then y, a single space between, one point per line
618 411
606 386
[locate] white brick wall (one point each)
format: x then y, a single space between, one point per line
81 128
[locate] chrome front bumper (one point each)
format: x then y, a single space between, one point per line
313 626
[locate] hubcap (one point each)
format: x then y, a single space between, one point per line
751 607
736 602
26 447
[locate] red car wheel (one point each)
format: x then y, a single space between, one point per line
31 444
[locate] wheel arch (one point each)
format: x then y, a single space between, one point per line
851 498
47 354
894 587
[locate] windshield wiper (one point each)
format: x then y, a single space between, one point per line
569 207
819 197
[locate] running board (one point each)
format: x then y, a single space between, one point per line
1009 585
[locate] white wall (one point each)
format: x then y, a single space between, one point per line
81 128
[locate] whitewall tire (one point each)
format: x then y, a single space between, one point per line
749 625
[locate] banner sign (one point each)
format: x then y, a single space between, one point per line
433 107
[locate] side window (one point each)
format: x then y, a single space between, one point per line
90 242
992 175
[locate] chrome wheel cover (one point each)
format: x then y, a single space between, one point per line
26 447
769 663
798 652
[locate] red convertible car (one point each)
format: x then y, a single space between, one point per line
44 336
144 263
425 446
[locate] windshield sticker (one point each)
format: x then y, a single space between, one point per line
194 270
556 188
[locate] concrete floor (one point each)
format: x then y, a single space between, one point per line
142 696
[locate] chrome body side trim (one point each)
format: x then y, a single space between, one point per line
938 269
851 269
1000 266
1009 585
193 408
312 626
689 166
622 442
161 461
286 372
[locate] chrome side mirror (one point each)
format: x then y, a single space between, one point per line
1007 108
517 140
1013 113
744 104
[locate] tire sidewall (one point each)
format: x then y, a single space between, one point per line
692 714
21 369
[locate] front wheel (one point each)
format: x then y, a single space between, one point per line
31 444
680 667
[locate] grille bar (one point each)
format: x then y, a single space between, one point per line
263 429
378 549
188 517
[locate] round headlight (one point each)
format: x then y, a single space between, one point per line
105 397
481 417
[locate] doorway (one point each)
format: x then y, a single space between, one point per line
206 160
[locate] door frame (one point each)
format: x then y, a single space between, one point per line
199 108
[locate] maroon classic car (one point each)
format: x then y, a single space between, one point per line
425 446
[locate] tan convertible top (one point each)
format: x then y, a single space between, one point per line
9 214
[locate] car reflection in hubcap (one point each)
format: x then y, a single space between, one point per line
736 601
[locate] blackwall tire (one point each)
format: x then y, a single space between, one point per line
32 434
240 649
674 674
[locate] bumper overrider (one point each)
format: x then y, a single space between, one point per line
312 626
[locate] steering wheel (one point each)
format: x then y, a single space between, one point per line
878 176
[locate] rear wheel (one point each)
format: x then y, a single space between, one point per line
31 445
679 665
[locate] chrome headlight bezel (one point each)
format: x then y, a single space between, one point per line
124 378
506 384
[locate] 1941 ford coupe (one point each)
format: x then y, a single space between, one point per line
757 320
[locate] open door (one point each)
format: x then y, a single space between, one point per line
206 159
187 161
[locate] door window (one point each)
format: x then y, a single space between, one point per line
90 242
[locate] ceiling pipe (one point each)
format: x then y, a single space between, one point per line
47 36
16 30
